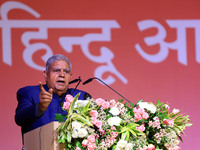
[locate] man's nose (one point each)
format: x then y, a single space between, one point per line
62 73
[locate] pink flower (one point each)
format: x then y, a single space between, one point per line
91 146
94 120
137 116
167 107
151 147
112 103
77 148
113 135
145 115
66 105
105 105
69 98
102 132
113 128
98 123
175 148
168 122
91 138
100 101
141 128
94 113
84 143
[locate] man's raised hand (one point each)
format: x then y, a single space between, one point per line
45 97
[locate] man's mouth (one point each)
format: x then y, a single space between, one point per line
61 81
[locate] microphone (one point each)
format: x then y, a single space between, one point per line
90 79
74 81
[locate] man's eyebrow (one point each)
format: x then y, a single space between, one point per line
56 68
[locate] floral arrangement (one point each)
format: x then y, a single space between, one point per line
109 125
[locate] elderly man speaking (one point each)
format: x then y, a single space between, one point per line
37 105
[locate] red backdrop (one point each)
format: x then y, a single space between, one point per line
144 49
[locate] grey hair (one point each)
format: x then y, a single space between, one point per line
55 58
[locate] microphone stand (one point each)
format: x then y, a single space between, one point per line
89 80
79 80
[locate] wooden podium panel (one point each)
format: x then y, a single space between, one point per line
43 138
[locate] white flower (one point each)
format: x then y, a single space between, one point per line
129 146
80 103
82 133
175 142
76 125
114 111
121 144
175 111
74 134
149 106
114 121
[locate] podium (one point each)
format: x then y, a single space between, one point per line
43 138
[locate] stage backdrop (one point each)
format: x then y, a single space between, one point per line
144 49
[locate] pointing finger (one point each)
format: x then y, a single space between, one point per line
41 87
50 90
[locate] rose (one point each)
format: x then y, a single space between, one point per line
91 146
91 138
94 120
141 128
100 101
84 143
137 116
145 115
93 113
114 111
114 121
105 105
98 123
66 105
69 98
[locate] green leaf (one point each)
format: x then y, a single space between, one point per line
134 134
132 105
78 144
139 101
71 108
81 119
69 136
132 125
59 117
188 124
121 100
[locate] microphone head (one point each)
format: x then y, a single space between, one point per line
74 81
87 81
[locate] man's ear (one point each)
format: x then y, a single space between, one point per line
45 74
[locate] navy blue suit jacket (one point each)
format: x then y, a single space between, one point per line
28 97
